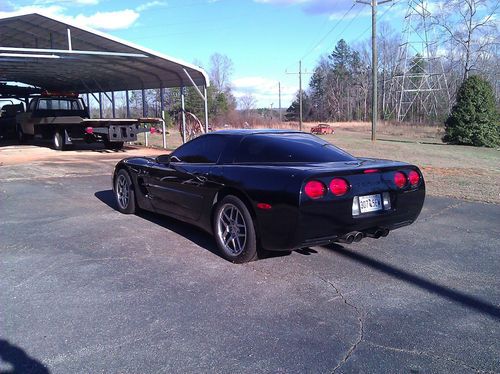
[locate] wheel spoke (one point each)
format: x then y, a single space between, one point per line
232 229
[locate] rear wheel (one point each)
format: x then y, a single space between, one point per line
234 230
58 140
21 138
124 192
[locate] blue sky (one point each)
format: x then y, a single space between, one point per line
263 38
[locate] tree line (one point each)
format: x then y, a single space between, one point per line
467 43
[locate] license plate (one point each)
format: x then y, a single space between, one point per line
370 203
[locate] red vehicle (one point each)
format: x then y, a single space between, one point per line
322 129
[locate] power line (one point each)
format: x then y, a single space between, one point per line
351 21
329 32
380 18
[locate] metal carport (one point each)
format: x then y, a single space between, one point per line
53 54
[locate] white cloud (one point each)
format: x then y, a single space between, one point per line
149 5
64 2
335 9
264 90
114 20
120 19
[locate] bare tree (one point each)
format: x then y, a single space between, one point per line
247 103
220 71
471 26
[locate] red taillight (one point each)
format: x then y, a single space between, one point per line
89 130
315 189
370 171
264 206
339 186
152 130
414 178
399 179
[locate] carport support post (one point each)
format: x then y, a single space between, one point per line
127 99
163 127
100 105
113 108
206 108
183 109
144 114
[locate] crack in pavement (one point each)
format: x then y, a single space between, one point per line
344 300
431 355
361 331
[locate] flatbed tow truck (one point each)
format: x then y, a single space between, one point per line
64 119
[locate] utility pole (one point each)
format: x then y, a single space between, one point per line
300 92
300 95
374 4
279 98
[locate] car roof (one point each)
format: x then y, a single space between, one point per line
241 132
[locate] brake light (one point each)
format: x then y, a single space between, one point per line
399 179
414 178
315 189
89 130
370 171
152 130
264 206
339 186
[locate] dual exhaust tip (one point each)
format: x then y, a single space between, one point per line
357 236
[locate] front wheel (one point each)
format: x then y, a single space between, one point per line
234 230
124 192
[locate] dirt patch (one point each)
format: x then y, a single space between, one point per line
14 155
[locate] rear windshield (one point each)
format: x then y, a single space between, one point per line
284 148
54 104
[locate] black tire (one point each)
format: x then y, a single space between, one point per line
58 140
124 192
113 145
21 138
234 231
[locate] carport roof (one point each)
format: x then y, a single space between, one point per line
55 55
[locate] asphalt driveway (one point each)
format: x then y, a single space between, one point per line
84 288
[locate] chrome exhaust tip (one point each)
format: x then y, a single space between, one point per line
374 234
358 237
348 238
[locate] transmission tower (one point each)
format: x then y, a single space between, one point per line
419 82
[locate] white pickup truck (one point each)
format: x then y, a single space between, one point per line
64 119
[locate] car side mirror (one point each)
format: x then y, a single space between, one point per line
163 159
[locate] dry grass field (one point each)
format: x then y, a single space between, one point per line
455 171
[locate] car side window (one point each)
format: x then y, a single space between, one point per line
202 150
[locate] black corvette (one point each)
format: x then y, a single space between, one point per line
277 190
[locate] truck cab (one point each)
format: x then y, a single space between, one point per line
64 119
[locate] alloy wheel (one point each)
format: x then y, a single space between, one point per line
122 191
232 229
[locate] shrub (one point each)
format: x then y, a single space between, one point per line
474 119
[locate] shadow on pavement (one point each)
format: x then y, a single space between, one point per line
455 296
19 360
190 232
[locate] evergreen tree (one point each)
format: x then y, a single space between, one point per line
474 119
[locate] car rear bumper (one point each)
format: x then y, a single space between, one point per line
331 222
